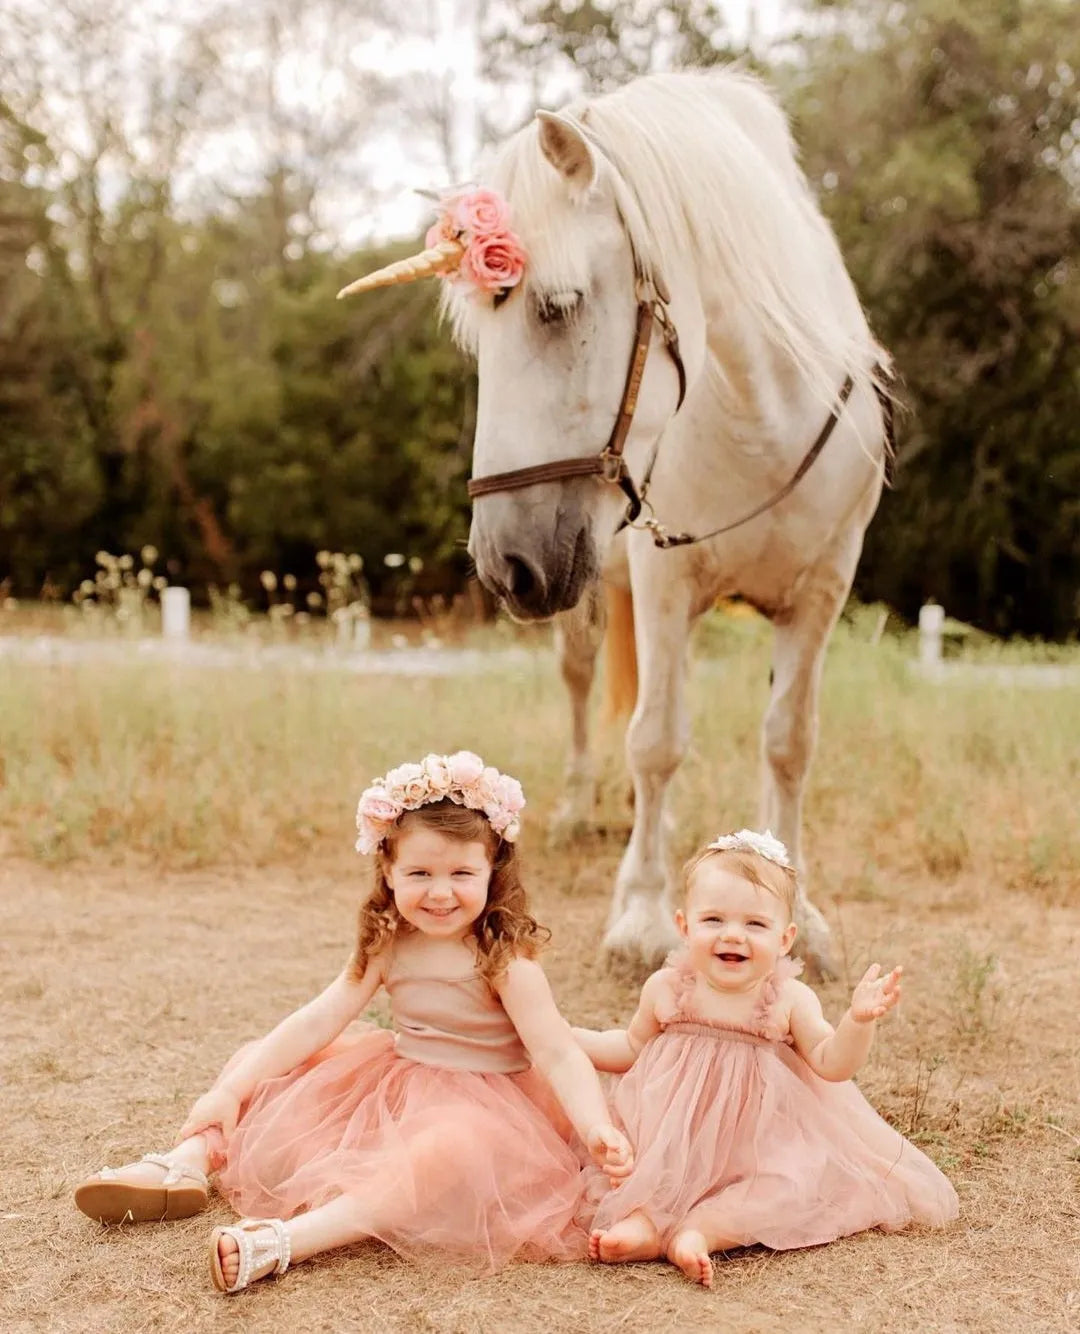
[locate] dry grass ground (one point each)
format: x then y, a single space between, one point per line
171 884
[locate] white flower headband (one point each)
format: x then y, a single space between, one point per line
749 840
462 778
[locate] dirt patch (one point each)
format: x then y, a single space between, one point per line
123 993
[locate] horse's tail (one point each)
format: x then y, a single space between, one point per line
620 655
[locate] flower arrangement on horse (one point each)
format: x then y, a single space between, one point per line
471 242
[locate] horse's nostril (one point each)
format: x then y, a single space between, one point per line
520 577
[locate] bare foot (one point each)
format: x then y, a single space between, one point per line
634 1238
690 1251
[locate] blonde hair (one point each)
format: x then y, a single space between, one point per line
780 881
504 931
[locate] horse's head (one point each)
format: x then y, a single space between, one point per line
554 355
678 185
553 359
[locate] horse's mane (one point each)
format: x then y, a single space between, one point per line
703 166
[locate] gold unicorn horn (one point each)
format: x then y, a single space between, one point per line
442 258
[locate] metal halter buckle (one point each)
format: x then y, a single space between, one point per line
612 466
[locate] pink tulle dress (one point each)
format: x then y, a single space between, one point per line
440 1133
734 1123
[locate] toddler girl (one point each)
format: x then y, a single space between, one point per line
738 1103
450 1134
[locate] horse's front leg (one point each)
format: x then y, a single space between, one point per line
789 733
578 635
641 927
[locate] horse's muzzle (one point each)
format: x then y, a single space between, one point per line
536 578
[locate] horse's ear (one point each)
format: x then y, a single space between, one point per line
567 149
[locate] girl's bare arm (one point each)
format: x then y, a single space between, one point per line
616 1049
837 1054
308 1029
527 999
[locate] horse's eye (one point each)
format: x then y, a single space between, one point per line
557 307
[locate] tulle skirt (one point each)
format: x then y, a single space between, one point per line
440 1163
738 1134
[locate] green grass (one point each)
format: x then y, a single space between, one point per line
190 766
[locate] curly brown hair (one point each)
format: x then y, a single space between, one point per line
504 931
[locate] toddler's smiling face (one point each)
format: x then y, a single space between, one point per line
735 930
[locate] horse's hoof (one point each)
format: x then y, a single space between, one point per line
817 950
568 827
640 940
820 966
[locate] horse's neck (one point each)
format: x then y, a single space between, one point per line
749 401
749 385
744 430
753 383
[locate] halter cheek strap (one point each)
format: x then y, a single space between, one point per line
609 464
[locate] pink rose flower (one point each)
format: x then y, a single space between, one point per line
378 805
416 791
442 229
404 773
480 213
437 770
465 767
508 794
493 262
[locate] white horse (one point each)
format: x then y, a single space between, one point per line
678 196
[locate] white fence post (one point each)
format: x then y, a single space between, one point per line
931 625
175 613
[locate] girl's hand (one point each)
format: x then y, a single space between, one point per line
875 994
219 1107
610 1149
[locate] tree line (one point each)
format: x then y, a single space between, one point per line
175 371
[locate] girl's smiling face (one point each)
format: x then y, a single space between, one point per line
440 884
735 930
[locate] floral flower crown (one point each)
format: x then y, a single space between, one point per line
462 778
478 221
749 840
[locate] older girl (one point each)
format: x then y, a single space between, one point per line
449 1136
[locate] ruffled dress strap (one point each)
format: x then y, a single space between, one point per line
766 1020
679 961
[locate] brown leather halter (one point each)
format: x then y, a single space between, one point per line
610 465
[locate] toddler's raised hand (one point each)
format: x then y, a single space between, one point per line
876 994
610 1149
219 1107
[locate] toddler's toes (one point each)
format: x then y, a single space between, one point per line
594 1246
229 1255
690 1251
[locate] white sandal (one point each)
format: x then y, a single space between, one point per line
109 1198
260 1255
